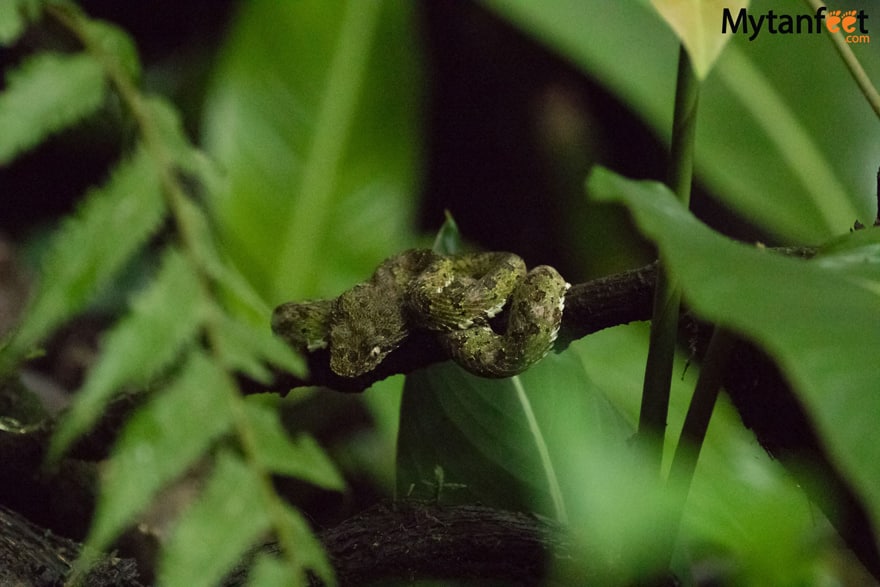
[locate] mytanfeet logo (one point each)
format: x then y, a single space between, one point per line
852 23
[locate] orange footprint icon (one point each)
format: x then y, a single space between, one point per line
832 21
849 21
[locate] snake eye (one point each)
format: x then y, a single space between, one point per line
375 352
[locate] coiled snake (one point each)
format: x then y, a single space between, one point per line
454 297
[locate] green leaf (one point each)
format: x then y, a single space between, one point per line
14 18
735 487
113 43
176 145
300 116
47 93
164 318
490 437
299 457
448 239
269 571
161 440
246 348
216 530
309 553
695 22
91 247
813 188
820 319
763 146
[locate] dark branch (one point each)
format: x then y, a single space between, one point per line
411 540
30 555
589 307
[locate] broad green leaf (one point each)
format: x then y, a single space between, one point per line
489 437
90 248
736 484
791 158
820 319
14 17
299 457
217 529
556 447
321 156
763 146
47 93
164 318
696 23
161 440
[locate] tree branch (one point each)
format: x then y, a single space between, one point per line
589 307
414 540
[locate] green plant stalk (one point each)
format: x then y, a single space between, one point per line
544 453
667 295
693 431
852 63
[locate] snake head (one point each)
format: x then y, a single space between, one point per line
366 326
303 325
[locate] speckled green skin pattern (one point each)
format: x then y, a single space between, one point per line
454 297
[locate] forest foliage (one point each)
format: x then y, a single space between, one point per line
304 175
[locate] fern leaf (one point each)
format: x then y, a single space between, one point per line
163 319
269 571
170 131
91 247
14 18
160 441
300 457
46 94
309 554
212 535
114 46
246 348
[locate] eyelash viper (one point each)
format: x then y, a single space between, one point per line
454 297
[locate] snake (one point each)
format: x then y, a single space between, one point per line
491 316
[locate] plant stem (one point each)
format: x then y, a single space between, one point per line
693 431
852 63
667 296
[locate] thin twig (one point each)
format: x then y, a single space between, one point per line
852 63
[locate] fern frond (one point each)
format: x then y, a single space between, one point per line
14 18
277 452
243 347
214 532
164 318
47 93
89 249
161 440
310 554
107 42
178 318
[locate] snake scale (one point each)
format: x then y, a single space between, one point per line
453 297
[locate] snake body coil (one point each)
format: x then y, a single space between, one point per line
454 297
